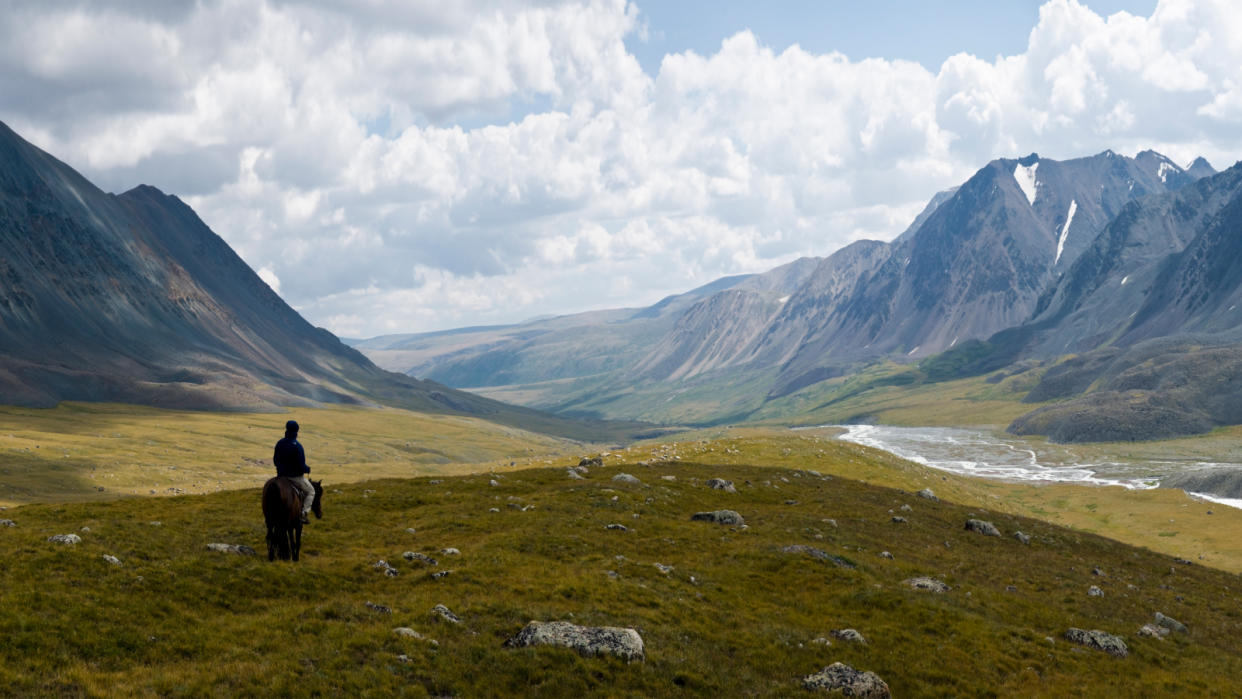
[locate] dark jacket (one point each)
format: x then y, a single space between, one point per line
290 459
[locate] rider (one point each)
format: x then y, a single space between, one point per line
290 460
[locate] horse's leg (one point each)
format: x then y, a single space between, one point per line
297 540
271 543
286 543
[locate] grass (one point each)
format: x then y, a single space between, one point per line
84 451
734 616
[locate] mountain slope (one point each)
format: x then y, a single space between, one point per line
132 298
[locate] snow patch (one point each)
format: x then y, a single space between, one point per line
1024 175
1125 279
782 299
1165 169
911 352
1069 218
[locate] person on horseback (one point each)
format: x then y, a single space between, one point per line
290 460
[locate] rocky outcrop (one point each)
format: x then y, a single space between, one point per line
839 677
588 640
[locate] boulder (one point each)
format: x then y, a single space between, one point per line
1099 640
443 613
592 462
573 474
626 478
981 527
240 549
407 632
928 584
1023 538
927 494
112 559
415 556
850 635
1170 623
728 517
7 523
65 539
721 484
587 640
1094 591
839 677
1153 631
381 564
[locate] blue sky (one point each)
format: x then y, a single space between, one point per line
926 31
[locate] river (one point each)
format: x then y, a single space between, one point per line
986 455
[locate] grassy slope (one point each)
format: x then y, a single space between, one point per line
69 452
734 615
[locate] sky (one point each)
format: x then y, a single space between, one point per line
398 166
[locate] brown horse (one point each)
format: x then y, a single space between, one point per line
282 510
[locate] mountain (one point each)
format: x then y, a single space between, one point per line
132 298
980 258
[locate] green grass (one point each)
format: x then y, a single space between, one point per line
735 616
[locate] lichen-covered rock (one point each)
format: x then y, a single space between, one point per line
587 640
626 478
839 677
65 539
981 527
1170 623
816 553
443 613
721 484
927 584
850 635
239 549
417 557
728 517
1099 640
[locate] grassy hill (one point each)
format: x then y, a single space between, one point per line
734 615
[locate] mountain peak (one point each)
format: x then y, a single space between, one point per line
1029 160
1200 168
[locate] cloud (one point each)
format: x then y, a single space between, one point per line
398 167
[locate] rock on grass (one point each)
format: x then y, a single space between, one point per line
587 640
816 553
981 527
65 539
728 517
721 484
839 677
1099 640
927 584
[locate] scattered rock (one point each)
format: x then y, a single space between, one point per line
381 564
411 530
928 584
927 494
821 641
886 554
899 520
618 527
1098 571
65 539
7 523
663 568
626 478
240 549
112 559
1022 538
981 527
906 508
721 484
728 517
441 574
443 613
668 478
1153 631
587 640
1094 591
378 608
419 557
839 677
593 462
407 632
848 635
494 483
493 509
573 474
791 502
1099 640
1170 623
816 553
450 551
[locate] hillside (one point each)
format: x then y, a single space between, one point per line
172 616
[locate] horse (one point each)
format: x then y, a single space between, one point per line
282 511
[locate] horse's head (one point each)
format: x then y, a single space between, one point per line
316 506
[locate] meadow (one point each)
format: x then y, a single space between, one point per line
726 612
